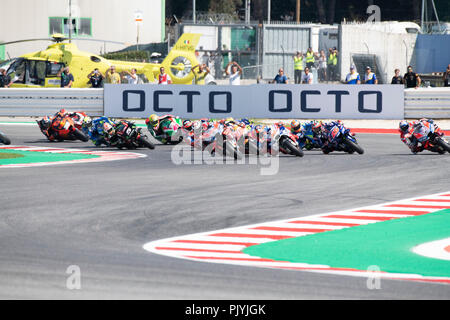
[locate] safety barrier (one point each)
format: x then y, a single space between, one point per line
422 102
45 101
427 102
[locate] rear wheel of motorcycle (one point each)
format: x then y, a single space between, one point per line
80 135
289 145
146 143
4 139
443 144
354 146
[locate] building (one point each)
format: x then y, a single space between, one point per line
113 20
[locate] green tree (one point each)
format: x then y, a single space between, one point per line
225 6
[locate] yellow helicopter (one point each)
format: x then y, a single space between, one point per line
40 69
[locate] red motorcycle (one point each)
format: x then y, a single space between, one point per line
61 127
430 136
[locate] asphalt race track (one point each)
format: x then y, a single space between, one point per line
98 216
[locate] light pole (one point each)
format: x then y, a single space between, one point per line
70 21
193 10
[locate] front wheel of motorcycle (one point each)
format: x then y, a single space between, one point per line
80 135
443 144
4 139
354 146
289 145
146 143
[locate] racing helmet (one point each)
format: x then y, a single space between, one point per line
316 126
197 125
187 124
153 120
87 122
296 125
107 128
403 126
245 121
258 128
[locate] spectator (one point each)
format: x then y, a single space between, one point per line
96 78
280 77
322 66
310 58
163 77
307 77
5 79
332 64
66 77
235 74
200 75
411 79
370 77
298 67
112 76
131 76
446 77
397 78
353 76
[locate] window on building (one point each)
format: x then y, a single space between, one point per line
81 27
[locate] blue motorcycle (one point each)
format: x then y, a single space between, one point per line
339 138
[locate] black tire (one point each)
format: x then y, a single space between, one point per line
146 143
443 144
4 139
80 135
289 145
354 146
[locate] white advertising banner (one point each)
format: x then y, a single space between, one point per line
266 101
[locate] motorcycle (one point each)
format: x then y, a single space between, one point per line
430 137
128 135
286 141
61 128
340 138
171 128
4 139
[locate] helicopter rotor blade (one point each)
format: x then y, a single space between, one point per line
25 40
100 40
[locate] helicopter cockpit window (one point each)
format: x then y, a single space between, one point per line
36 72
53 68
17 71
95 59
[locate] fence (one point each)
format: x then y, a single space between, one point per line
422 102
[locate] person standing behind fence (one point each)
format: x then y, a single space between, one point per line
332 64
298 67
163 77
370 77
112 76
280 77
235 73
322 66
353 76
5 80
446 77
307 77
310 59
96 78
200 75
131 76
397 78
66 77
411 79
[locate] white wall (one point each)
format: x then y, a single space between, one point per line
111 20
394 50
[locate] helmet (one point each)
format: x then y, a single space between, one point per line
197 125
403 125
316 126
87 122
153 120
245 121
187 124
296 126
279 124
107 128
258 128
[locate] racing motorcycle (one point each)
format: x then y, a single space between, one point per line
61 128
171 128
4 139
128 135
286 141
430 136
340 138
